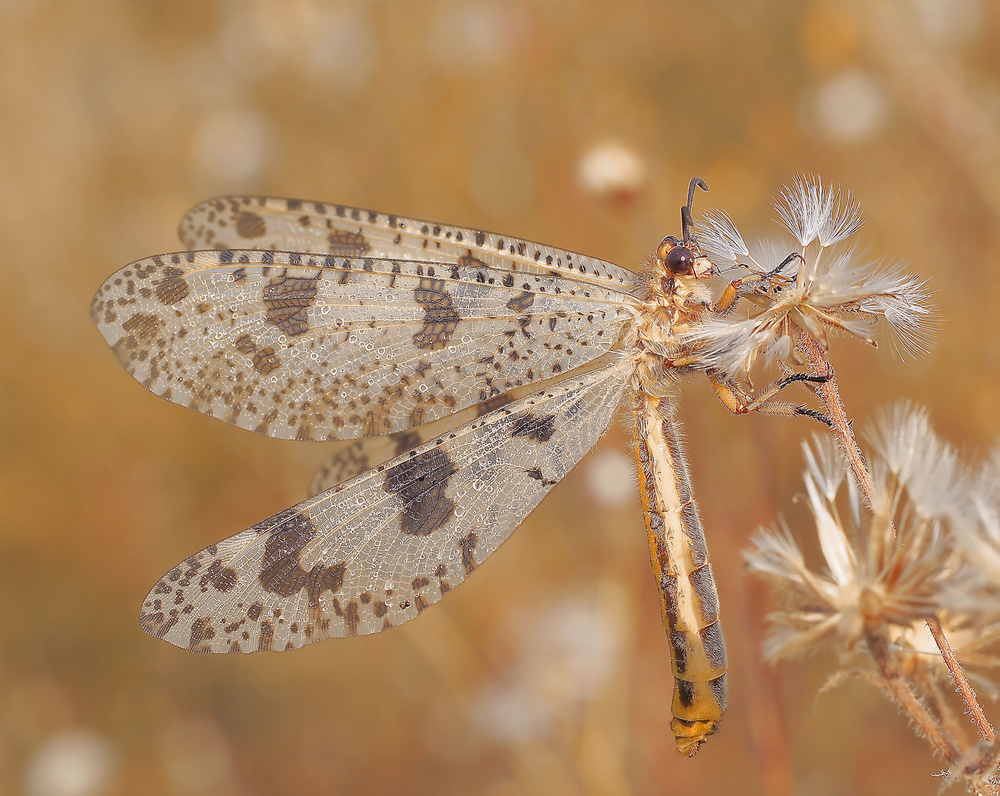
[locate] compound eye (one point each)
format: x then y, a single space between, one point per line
679 260
667 245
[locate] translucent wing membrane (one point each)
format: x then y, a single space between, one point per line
375 551
313 347
259 222
353 458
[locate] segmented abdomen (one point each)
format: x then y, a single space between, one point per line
688 601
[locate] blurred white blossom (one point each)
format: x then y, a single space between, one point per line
611 169
849 107
74 763
565 655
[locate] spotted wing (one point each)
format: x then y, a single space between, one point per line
260 222
314 347
351 458
377 550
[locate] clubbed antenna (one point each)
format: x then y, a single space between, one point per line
686 222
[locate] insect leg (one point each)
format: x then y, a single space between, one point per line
739 402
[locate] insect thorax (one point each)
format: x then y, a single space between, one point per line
673 304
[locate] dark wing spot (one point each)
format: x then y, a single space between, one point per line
421 482
491 404
522 302
405 440
347 244
467 544
287 301
537 474
201 634
250 225
352 618
245 344
281 573
468 260
172 288
440 318
185 572
264 360
266 640
537 427
142 332
158 625
218 577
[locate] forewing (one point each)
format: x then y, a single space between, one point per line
377 550
260 222
311 347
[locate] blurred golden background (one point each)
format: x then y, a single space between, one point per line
577 124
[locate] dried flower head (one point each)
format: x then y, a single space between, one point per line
816 291
889 567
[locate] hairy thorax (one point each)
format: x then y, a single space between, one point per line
673 304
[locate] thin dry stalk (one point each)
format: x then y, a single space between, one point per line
962 685
939 705
910 703
842 428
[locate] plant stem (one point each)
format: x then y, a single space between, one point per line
962 685
830 396
929 686
901 692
